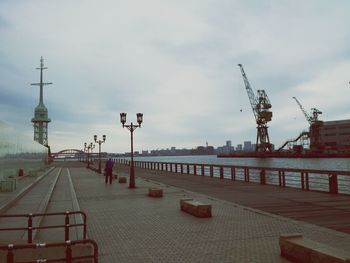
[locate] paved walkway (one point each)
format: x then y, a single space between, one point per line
129 226
320 208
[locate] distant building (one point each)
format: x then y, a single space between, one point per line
247 146
239 147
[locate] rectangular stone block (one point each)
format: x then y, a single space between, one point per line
155 192
296 248
122 180
195 208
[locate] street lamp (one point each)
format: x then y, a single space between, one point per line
131 128
99 149
89 148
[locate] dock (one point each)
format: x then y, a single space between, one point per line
247 218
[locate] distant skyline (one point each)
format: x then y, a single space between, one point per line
176 62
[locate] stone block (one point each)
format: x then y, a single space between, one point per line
195 208
296 248
155 192
122 180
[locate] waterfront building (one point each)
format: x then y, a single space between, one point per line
334 136
239 147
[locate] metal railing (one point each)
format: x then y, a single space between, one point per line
331 181
69 258
30 228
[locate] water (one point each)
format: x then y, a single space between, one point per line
340 164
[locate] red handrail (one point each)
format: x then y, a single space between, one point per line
262 172
30 227
11 248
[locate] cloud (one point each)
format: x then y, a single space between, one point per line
174 61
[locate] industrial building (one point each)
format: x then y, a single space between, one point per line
334 136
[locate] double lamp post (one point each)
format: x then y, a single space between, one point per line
99 150
88 148
131 127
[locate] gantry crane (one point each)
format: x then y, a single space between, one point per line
260 105
315 123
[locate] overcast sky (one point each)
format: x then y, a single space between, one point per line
176 62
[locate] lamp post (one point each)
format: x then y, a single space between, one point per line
89 148
86 151
131 128
99 149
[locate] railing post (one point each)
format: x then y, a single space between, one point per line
195 169
221 172
333 183
30 228
158 166
279 178
182 168
175 167
307 181
233 173
66 226
246 175
283 179
188 169
10 257
202 170
302 180
68 251
262 176
171 167
211 170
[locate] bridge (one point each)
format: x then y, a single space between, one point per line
69 153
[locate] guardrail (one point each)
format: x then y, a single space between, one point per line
30 228
11 248
331 181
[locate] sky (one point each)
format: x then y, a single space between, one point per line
176 62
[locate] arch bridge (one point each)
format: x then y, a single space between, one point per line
69 153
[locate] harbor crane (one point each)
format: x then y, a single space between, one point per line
261 109
315 124
310 118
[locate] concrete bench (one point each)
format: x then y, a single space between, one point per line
195 208
296 248
155 192
122 180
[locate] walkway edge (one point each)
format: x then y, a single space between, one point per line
78 217
13 199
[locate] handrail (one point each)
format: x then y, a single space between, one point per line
11 248
30 228
231 170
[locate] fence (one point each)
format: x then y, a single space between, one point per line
331 181
69 258
30 228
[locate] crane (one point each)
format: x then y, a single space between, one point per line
260 105
315 112
315 124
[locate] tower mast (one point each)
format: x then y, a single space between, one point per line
41 119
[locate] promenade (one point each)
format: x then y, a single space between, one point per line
129 226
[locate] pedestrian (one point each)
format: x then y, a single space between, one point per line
109 171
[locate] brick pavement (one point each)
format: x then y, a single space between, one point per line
129 226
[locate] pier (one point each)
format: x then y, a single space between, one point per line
130 226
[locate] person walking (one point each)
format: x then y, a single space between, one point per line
109 171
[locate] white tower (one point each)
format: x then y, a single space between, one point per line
41 119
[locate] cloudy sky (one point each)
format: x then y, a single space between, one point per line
176 62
